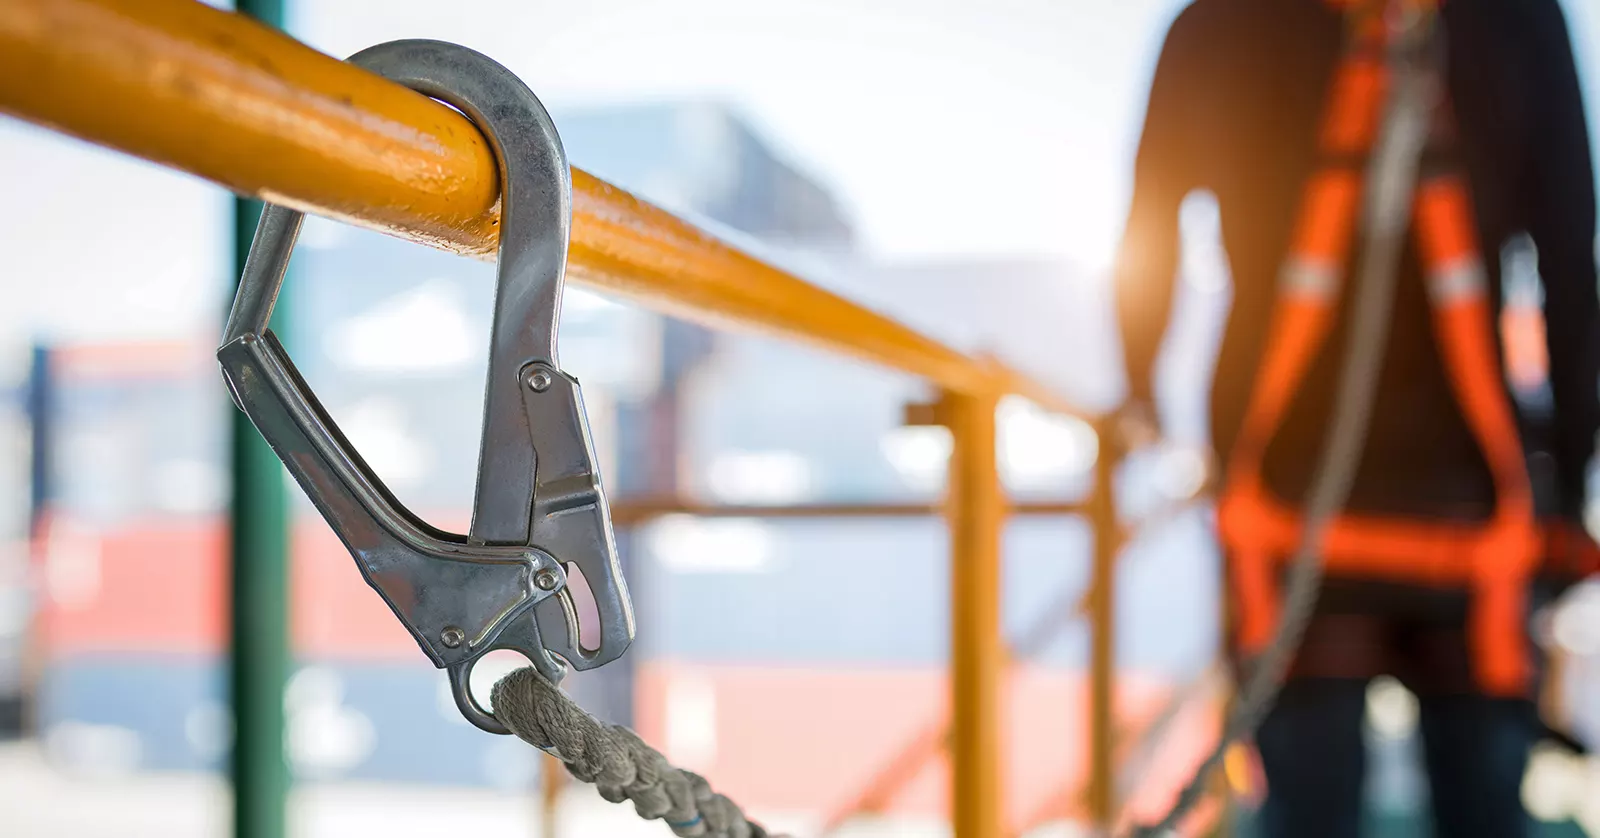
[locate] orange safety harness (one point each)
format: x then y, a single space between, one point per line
1497 559
1494 559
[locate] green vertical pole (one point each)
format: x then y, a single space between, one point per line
259 591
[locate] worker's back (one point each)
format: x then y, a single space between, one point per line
1235 109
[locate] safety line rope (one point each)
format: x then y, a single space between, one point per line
616 761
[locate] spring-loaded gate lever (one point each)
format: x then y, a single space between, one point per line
539 506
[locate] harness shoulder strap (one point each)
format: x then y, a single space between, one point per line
1257 528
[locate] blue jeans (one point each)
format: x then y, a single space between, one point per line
1312 749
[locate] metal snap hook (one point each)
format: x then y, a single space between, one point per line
539 503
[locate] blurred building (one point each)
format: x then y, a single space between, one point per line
704 159
822 640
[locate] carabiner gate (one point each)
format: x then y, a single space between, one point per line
539 505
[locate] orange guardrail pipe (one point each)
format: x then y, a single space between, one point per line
977 654
217 95
220 96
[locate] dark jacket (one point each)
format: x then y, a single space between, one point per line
1234 106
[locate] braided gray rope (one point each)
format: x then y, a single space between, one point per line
615 760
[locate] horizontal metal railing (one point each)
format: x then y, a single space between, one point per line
217 95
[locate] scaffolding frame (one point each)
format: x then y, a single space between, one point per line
228 99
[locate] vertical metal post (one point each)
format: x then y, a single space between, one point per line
41 439
1102 633
259 586
976 510
41 413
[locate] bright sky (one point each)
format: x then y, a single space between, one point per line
947 127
